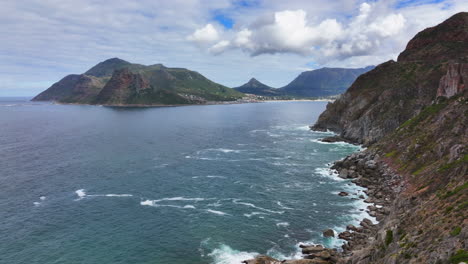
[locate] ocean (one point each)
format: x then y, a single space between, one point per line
214 184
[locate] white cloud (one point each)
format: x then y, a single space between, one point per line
290 31
206 35
43 40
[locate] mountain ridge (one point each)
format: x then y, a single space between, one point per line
118 82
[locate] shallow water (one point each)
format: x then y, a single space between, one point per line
194 184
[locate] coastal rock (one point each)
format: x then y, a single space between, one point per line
329 233
262 260
311 249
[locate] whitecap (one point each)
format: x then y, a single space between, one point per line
236 201
282 224
37 203
216 212
254 213
215 176
282 206
329 173
226 255
42 198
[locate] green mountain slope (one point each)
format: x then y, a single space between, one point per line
117 82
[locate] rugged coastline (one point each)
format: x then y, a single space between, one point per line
412 115
365 169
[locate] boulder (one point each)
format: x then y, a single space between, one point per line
262 260
343 194
329 233
311 249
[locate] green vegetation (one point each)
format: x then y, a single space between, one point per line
454 191
453 164
388 237
425 113
391 154
460 256
456 231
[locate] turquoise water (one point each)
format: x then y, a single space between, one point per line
194 184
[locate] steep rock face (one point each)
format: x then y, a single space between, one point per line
253 86
455 81
382 99
73 88
427 220
323 82
121 87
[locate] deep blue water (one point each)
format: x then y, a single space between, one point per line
179 185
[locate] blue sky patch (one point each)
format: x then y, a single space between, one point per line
405 3
224 20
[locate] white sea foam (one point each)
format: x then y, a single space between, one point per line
282 206
81 194
237 201
282 224
254 213
42 198
116 195
216 212
329 173
216 176
37 203
226 255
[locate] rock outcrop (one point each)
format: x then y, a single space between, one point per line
455 81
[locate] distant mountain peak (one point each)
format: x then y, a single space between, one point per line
254 86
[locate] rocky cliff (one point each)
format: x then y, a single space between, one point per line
382 99
118 82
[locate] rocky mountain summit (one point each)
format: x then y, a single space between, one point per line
413 116
118 82
253 86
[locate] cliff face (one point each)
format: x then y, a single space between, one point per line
117 82
426 207
382 99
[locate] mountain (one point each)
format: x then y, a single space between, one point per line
253 86
433 64
118 82
323 82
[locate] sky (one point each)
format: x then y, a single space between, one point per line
228 41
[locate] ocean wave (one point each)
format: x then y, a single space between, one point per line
282 206
226 255
216 212
329 173
254 213
82 194
282 224
236 201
